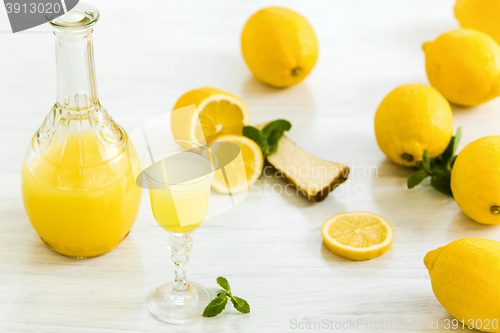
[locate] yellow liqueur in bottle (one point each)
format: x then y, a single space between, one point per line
78 180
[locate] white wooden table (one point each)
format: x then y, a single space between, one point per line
269 247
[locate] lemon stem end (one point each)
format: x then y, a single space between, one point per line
407 157
296 71
431 258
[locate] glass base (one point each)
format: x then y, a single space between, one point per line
179 308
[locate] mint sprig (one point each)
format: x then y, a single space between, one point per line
268 137
218 304
439 169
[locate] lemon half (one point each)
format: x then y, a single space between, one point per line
357 235
217 112
243 171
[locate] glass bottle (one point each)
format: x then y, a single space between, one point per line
78 175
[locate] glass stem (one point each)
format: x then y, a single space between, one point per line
180 245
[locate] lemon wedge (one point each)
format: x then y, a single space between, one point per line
216 111
243 171
357 235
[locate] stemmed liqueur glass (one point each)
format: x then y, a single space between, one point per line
178 176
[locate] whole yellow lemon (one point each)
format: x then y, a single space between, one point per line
279 46
411 119
464 65
482 15
475 180
465 277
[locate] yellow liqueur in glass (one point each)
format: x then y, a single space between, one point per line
180 206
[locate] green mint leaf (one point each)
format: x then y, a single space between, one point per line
452 161
280 125
268 138
456 139
458 136
447 154
416 178
419 165
441 186
216 306
441 172
275 136
426 162
257 136
439 168
240 304
273 132
450 150
222 281
271 149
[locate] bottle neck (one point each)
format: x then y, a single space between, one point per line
76 86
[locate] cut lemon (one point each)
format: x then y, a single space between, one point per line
357 235
218 112
243 171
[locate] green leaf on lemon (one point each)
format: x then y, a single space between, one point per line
268 138
441 186
416 178
256 135
439 169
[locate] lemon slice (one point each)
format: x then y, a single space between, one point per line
357 235
243 171
217 111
